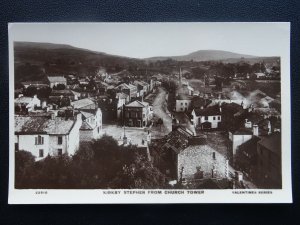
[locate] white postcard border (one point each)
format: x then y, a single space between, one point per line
49 196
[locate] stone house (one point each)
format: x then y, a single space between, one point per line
200 161
183 156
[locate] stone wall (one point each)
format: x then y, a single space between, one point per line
201 158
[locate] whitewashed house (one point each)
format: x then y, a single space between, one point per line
44 135
207 118
183 103
240 136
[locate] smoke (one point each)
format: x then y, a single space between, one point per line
259 99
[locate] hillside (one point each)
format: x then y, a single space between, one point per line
34 60
204 55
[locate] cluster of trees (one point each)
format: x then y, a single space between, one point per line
230 69
42 92
59 87
98 164
27 71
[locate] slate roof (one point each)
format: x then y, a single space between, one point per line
64 92
198 102
126 86
183 97
177 140
86 126
58 79
121 95
242 131
209 111
23 100
82 103
231 107
42 125
250 146
272 142
86 114
137 104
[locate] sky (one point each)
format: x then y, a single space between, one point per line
143 40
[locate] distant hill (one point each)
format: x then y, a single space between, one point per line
204 55
36 60
34 50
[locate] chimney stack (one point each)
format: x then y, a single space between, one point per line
269 127
255 130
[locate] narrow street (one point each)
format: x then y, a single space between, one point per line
160 111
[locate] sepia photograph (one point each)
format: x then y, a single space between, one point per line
149 112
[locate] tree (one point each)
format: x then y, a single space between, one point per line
44 92
30 91
24 162
59 87
54 173
138 173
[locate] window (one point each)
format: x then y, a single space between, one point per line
59 140
132 114
39 140
214 155
186 103
59 152
206 117
41 153
181 103
98 129
181 109
214 118
219 117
